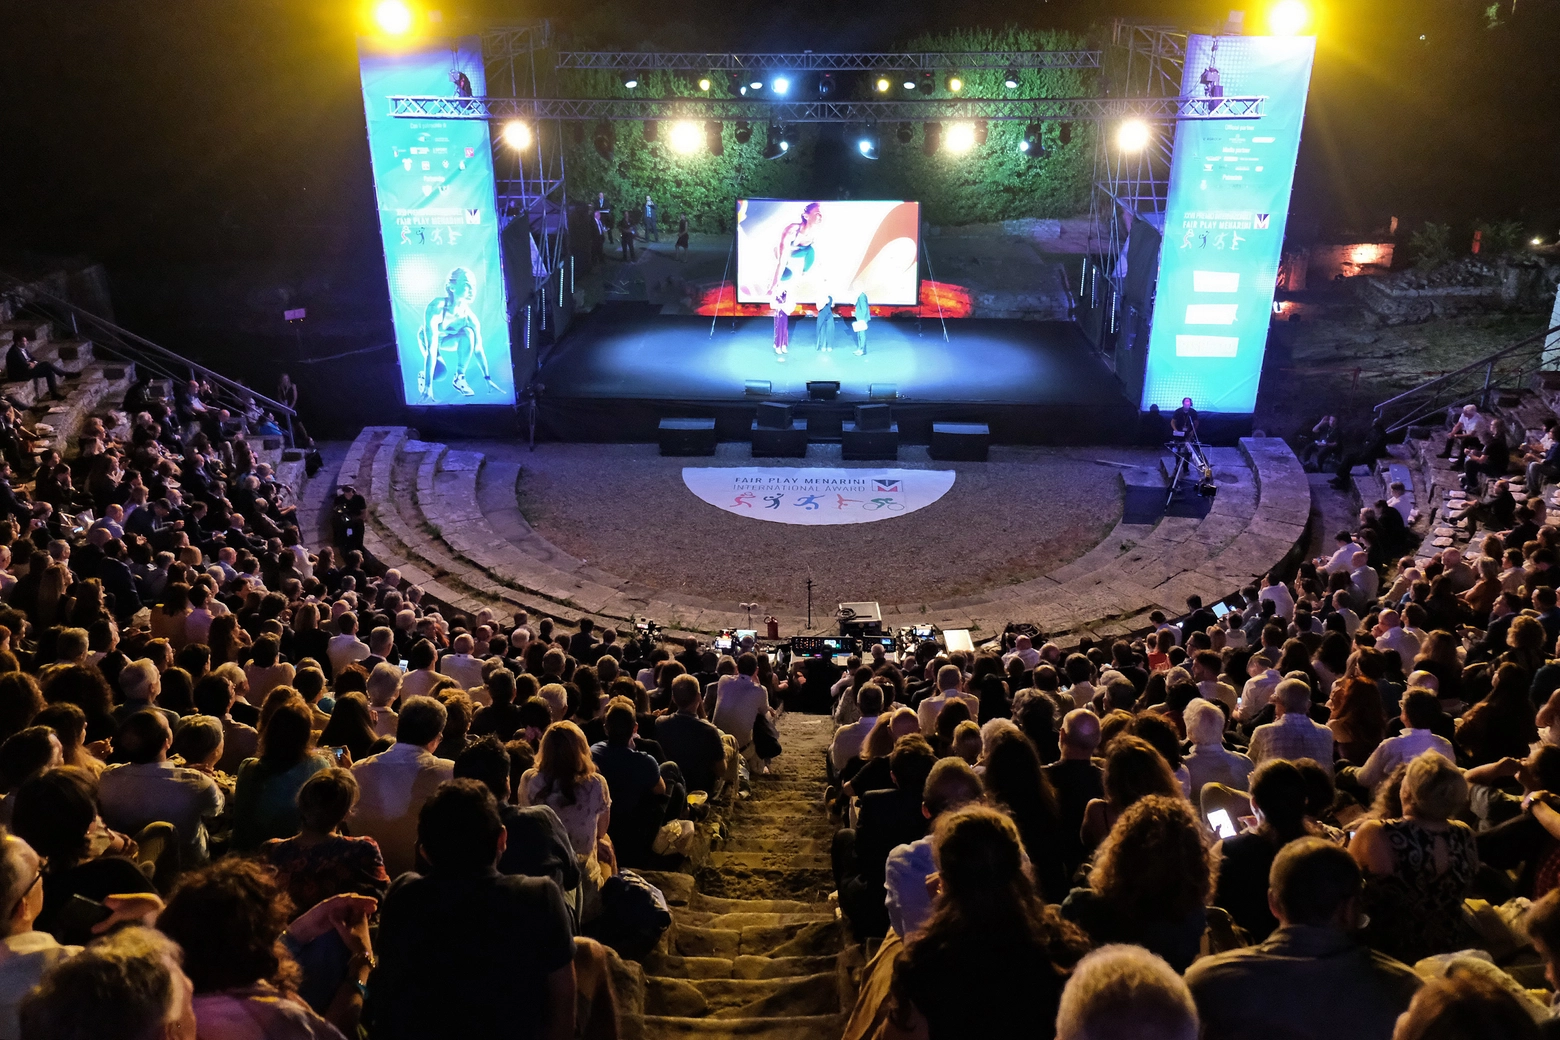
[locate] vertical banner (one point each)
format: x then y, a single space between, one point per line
1230 182
437 200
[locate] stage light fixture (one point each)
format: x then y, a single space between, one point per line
905 133
774 144
961 138
932 137
1010 79
517 135
704 83
826 84
744 132
733 82
604 139
713 137
867 143
686 137
926 84
1064 133
1288 18
393 17
1030 145
630 80
1133 135
954 83
908 82
755 84
1537 242
780 85
883 84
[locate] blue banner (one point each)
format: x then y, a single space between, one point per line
1230 182
434 181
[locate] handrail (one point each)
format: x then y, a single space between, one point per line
139 349
1430 393
1482 362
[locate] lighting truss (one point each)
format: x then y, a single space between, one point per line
810 61
1152 109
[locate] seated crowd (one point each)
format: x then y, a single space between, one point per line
1328 810
250 790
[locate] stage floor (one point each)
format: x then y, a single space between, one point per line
638 357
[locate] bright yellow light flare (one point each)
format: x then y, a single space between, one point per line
517 135
1133 136
1289 18
960 138
882 84
687 137
393 17
704 84
955 84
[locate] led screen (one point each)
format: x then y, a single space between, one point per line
434 181
1230 182
809 250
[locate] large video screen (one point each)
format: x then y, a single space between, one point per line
810 250
434 180
1230 182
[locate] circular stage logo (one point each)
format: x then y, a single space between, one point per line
813 497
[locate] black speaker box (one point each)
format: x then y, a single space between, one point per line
687 436
872 417
963 442
772 415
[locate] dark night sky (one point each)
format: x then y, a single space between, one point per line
213 154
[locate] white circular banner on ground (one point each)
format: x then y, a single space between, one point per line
818 496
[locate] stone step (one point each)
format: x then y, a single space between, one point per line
803 1027
783 996
745 919
787 940
777 844
766 861
740 967
718 905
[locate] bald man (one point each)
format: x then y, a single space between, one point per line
460 665
1076 779
1024 650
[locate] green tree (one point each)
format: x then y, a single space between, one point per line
1431 245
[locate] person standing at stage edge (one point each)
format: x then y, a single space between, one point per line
782 309
651 234
862 318
825 324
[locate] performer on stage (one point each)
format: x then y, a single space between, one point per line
651 232
825 331
449 324
795 252
782 309
1183 423
862 319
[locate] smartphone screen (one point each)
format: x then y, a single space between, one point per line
1219 820
340 754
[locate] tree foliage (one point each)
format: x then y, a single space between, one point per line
1431 245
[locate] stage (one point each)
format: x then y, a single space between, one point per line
620 370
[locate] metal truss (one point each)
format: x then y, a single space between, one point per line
1157 109
810 61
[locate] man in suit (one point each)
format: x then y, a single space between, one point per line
21 366
884 821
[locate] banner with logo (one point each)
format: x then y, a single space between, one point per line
1230 182
814 497
434 181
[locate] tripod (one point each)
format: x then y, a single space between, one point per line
1188 455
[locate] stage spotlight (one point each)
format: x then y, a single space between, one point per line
926 84
867 143
905 133
780 85
630 80
1288 18
826 84
883 84
517 135
1010 80
604 138
652 129
909 82
704 83
393 17
1064 133
713 139
686 137
755 84
1133 136
744 132
1537 242
932 134
954 83
775 145
961 138
1029 145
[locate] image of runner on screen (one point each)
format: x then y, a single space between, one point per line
450 325
795 254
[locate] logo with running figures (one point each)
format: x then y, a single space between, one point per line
816 496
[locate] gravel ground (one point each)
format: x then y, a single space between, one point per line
625 509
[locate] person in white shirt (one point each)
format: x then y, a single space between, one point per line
394 784
1205 673
1364 581
345 647
1258 691
1420 710
1467 428
384 682
949 678
1276 591
1343 556
1157 619
460 665
1209 761
950 785
150 789
1351 620
849 739
1401 499
25 954
739 703
1391 635
1024 650
420 676
1080 679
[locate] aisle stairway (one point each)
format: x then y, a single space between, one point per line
755 949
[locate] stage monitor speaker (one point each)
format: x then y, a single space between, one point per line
883 391
687 436
822 389
772 415
859 444
872 417
758 388
963 442
789 443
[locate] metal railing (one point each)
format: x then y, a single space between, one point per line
1506 369
148 357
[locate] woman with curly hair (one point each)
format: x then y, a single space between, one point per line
229 917
84 686
566 779
993 959
1133 770
1150 882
